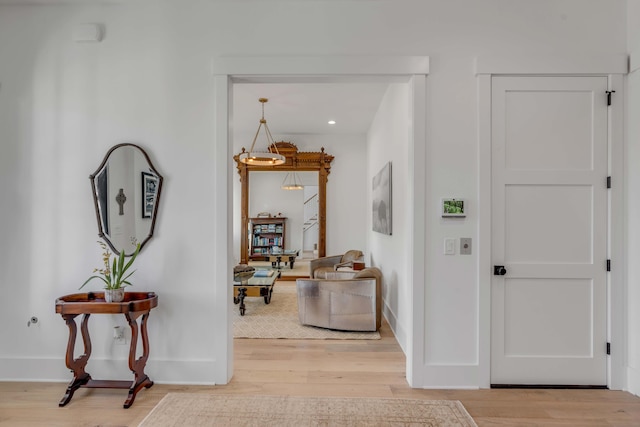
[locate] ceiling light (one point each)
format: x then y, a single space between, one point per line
332 122
262 158
292 182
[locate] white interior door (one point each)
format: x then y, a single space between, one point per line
549 230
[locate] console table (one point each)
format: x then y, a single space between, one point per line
135 305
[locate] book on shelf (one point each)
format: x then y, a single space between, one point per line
263 273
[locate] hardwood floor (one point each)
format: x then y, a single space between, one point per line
320 368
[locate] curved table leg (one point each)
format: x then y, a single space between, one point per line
141 380
80 376
242 293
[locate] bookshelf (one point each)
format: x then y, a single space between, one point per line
265 233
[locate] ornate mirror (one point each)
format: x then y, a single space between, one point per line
126 192
294 161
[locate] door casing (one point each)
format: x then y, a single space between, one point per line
614 67
264 69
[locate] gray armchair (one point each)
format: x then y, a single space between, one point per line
319 267
353 304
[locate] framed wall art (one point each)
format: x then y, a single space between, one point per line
382 200
149 191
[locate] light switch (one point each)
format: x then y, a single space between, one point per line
465 246
449 246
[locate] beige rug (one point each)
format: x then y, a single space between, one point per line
279 319
194 410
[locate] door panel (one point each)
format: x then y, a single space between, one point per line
539 219
558 305
549 222
560 121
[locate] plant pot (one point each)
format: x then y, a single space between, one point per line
114 295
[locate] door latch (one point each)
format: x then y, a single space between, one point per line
499 270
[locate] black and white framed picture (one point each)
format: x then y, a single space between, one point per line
382 200
149 191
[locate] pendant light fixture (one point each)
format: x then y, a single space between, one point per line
262 158
292 182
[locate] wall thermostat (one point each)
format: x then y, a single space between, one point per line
452 208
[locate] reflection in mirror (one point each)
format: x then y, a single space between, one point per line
310 229
297 161
126 192
300 207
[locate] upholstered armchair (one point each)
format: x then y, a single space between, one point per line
319 267
348 304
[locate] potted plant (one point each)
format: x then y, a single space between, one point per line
114 274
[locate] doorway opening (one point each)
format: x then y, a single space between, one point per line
233 71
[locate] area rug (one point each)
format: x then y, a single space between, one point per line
279 319
197 410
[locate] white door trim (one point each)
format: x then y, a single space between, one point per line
612 66
285 69
634 62
553 64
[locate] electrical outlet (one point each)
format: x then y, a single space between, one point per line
118 335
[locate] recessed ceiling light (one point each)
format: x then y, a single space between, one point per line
332 122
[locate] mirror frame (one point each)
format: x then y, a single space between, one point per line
94 190
296 161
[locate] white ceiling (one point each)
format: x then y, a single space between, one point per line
305 108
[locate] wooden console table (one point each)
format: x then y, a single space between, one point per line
135 304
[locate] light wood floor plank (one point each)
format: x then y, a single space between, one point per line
372 368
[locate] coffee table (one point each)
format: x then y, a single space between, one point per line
288 256
248 285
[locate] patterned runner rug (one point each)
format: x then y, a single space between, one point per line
279 319
197 410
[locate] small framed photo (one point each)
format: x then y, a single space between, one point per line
149 191
453 208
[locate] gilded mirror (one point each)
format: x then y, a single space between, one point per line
295 161
126 193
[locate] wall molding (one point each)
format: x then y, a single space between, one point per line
634 62
451 377
398 330
633 376
320 65
552 64
228 70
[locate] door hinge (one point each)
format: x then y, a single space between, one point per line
608 265
609 348
608 182
609 92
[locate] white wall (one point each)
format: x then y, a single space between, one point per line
632 156
388 141
63 104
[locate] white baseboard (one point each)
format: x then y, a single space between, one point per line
633 381
459 377
197 372
634 62
396 328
